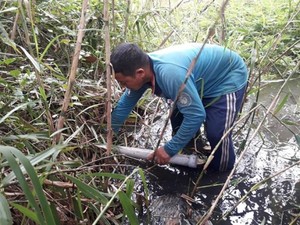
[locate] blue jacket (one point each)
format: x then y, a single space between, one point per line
218 71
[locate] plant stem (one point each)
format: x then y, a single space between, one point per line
72 76
108 74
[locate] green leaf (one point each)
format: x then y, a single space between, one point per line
65 41
7 61
88 191
142 174
35 63
12 111
76 202
129 187
7 153
297 139
93 208
54 213
47 216
111 175
289 122
34 161
281 104
43 93
100 215
48 46
15 73
33 136
26 212
128 208
5 215
5 38
9 10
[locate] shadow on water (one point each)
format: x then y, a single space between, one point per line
276 202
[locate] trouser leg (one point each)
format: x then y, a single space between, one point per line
220 117
176 120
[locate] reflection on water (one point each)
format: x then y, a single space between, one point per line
274 202
271 203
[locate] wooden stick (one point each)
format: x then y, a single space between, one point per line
71 82
108 75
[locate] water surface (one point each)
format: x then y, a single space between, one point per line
274 148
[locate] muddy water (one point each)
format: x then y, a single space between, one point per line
275 202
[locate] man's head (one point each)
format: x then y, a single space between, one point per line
130 64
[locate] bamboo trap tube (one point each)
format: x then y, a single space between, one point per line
192 161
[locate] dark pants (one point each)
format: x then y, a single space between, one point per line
220 116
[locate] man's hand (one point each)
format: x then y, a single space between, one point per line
160 156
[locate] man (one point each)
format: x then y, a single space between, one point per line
213 93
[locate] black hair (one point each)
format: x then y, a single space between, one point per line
126 58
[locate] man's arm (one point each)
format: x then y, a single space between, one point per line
194 115
124 106
189 104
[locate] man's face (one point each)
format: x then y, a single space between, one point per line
131 82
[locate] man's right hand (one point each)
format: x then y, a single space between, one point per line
160 156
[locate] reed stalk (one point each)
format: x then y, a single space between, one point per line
72 75
108 75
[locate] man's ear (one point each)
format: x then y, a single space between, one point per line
140 73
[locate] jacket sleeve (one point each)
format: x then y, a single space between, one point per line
124 107
190 105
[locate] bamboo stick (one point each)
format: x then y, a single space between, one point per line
72 75
108 75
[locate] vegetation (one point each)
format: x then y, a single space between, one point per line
72 179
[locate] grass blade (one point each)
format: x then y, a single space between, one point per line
76 202
297 137
281 104
113 197
5 215
12 111
146 190
88 191
129 187
33 136
26 212
34 161
8 153
48 46
128 208
5 38
35 63
9 10
111 175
